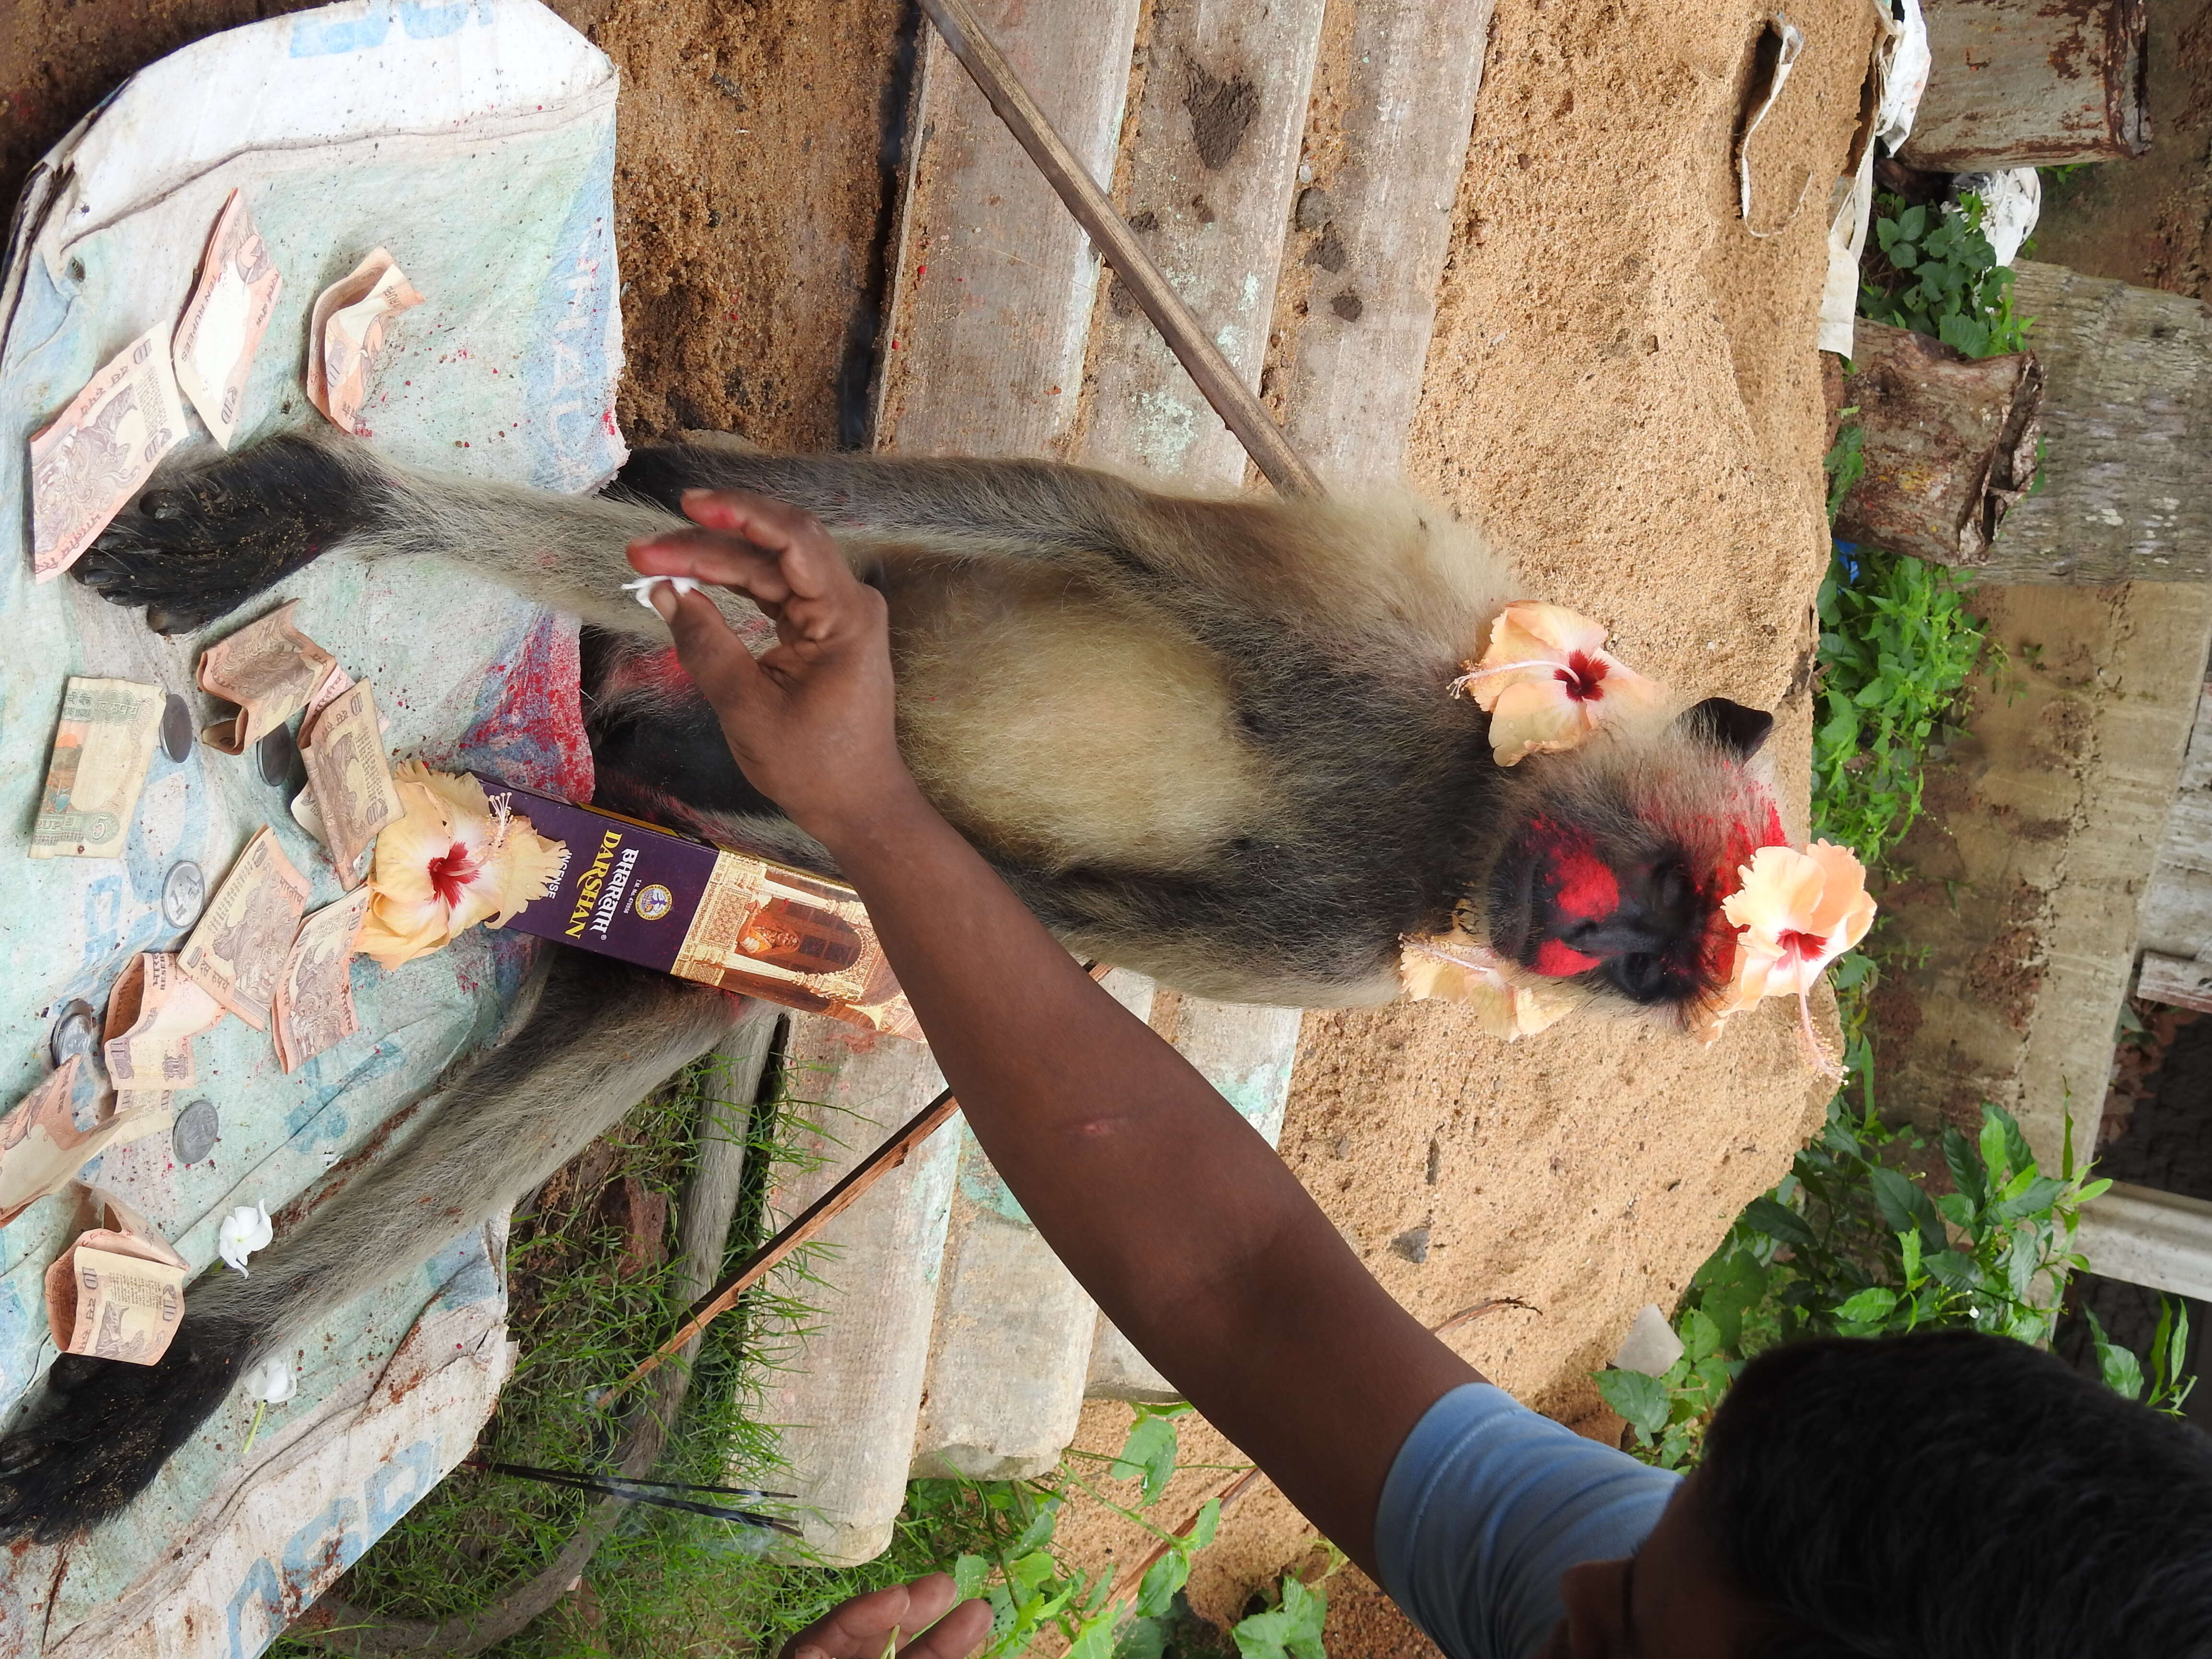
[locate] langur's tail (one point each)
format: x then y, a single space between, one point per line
601 1037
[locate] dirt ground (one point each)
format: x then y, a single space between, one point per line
1623 388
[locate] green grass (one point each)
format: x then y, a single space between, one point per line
661 1583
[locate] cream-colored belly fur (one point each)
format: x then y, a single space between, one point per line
1064 726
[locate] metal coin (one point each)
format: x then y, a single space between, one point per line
76 1031
183 894
195 1133
176 728
278 757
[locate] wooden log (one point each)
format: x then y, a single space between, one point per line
1950 444
2022 83
2127 420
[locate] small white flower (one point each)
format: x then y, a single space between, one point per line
271 1382
243 1231
643 587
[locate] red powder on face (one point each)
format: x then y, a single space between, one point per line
1584 884
1559 961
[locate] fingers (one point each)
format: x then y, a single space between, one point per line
956 1636
810 560
711 653
862 1627
725 561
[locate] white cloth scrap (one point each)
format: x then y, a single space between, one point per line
643 587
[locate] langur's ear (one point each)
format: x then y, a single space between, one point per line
1735 731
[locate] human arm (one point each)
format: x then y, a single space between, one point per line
1180 1221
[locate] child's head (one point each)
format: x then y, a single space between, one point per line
1953 1495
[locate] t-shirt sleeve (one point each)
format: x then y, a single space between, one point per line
1487 1505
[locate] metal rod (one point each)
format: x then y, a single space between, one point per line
1110 233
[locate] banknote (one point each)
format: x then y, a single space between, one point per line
351 775
237 951
314 999
347 330
101 750
118 1291
270 670
41 1148
95 454
153 1012
335 683
224 320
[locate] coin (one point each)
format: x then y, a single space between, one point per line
195 1133
184 892
278 757
76 1031
176 728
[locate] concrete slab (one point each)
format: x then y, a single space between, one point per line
848 1387
2028 870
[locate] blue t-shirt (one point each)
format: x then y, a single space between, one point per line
1487 1505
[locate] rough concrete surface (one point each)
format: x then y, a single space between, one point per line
2029 867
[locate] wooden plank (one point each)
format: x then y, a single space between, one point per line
1353 377
2023 83
1212 170
2126 493
1138 277
994 289
2177 911
2183 981
2146 1236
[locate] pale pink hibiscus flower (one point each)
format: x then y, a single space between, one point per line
1797 912
1547 681
453 859
1458 970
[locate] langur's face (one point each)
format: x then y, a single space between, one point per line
1617 864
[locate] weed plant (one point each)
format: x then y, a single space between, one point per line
1851 1244
1932 271
1898 639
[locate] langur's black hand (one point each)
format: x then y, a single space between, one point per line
866 1626
811 721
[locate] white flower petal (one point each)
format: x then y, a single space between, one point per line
271 1382
243 1231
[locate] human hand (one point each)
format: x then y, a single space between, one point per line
809 721
868 1626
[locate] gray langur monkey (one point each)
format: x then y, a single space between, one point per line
1207 738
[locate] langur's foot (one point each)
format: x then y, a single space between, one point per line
199 543
102 1429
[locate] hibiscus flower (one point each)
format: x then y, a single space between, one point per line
1460 970
450 861
1797 912
1547 681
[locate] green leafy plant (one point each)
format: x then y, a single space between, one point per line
1851 1244
2167 1388
1935 273
1898 643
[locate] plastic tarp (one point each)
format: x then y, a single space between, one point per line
475 140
